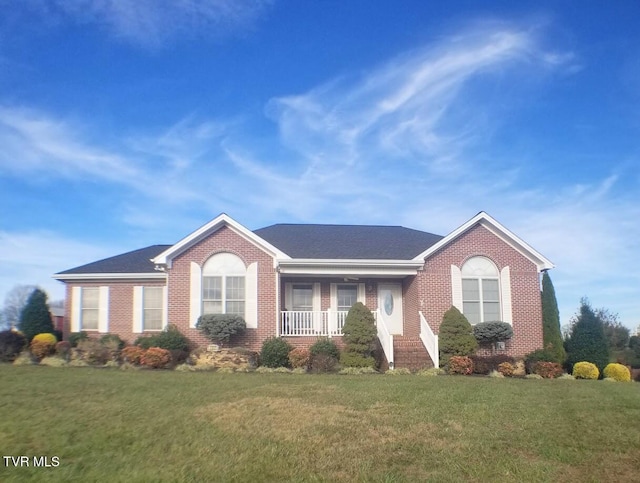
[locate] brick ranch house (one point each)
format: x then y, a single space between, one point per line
299 281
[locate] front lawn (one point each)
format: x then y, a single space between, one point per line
112 425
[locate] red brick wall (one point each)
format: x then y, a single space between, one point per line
224 240
434 285
120 306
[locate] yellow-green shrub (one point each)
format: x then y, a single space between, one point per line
618 372
43 345
50 338
585 370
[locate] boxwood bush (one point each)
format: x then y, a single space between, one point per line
220 328
325 346
275 352
618 372
170 338
585 370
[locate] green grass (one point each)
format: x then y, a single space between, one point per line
111 425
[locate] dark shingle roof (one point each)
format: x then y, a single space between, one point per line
137 261
362 242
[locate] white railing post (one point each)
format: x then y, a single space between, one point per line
430 340
386 339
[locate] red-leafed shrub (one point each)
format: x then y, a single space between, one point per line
460 365
132 354
156 358
548 370
299 358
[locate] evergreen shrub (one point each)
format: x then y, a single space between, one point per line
46 337
618 372
112 342
93 352
325 346
11 344
275 352
585 370
35 317
539 355
75 337
456 336
359 335
41 348
587 340
321 363
170 338
492 332
220 328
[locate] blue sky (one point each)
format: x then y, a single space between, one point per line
130 123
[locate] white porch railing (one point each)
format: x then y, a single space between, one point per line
430 340
299 323
386 338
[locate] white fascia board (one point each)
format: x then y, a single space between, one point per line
343 267
497 229
214 225
110 276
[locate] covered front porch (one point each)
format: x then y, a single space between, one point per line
318 307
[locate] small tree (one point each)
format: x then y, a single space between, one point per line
359 334
455 336
492 332
587 341
219 328
35 317
551 335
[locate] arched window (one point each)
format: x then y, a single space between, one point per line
223 285
480 290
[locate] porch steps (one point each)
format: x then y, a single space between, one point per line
409 352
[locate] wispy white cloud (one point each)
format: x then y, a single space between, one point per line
153 23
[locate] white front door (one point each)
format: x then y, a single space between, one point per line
390 305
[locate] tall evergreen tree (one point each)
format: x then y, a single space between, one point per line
587 341
455 337
551 334
35 317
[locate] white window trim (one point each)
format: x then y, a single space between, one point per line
103 310
360 297
138 309
481 300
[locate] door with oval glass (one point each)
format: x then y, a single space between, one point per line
390 304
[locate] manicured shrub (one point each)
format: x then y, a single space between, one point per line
132 354
46 337
41 348
75 337
456 336
585 370
321 363
548 370
506 369
156 358
618 372
540 355
299 357
485 364
11 344
35 317
112 342
492 332
359 334
353 359
220 328
275 352
460 365
93 352
325 346
170 338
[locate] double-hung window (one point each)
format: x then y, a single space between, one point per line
302 297
89 308
152 308
223 285
480 291
347 295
